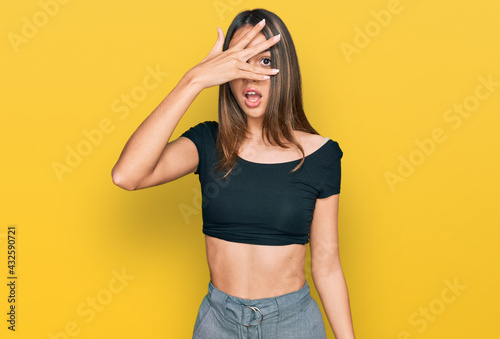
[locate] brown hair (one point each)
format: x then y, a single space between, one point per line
284 111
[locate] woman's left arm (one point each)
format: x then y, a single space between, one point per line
326 269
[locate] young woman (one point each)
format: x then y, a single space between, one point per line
270 184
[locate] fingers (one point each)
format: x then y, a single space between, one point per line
245 40
218 45
248 71
253 76
247 53
220 40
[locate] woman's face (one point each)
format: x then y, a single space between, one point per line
254 105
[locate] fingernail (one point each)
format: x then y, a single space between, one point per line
267 77
262 22
277 37
275 70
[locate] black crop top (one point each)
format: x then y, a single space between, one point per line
259 203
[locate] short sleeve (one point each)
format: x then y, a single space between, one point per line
330 184
199 135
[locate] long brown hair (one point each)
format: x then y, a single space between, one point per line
284 111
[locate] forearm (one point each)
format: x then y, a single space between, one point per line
333 292
144 148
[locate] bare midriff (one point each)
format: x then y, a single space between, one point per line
250 271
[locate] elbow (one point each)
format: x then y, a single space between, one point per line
325 269
318 272
122 181
322 276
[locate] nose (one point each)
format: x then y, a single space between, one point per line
251 80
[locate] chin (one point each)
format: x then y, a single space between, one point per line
254 113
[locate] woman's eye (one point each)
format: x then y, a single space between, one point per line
266 61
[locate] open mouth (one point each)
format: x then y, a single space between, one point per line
253 97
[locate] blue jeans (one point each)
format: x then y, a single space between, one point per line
288 316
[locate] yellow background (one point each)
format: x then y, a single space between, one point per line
400 244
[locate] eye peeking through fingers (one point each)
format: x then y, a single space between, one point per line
266 61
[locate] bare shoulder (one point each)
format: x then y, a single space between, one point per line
310 142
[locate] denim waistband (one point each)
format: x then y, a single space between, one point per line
252 312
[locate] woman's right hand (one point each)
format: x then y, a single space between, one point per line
220 67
